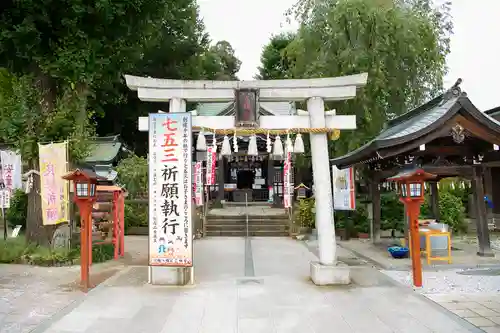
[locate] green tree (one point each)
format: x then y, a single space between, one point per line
60 53
220 62
401 44
275 62
133 175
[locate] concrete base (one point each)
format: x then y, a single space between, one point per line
322 275
170 276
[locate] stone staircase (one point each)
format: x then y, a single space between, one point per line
262 221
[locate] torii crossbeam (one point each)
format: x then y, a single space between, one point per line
315 92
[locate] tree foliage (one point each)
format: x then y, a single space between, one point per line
220 62
275 62
401 44
64 63
133 173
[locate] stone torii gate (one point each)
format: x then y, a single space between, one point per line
315 92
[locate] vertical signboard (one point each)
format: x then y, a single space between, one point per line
287 190
54 190
211 160
11 169
170 190
246 107
198 184
344 196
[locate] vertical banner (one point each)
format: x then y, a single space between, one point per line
54 189
198 183
11 169
170 190
211 160
344 196
287 192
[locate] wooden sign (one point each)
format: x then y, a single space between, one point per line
246 108
5 198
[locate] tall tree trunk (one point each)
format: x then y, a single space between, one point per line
35 231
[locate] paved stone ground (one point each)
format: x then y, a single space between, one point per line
463 257
275 296
479 309
31 295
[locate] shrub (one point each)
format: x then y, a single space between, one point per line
13 250
391 212
452 211
133 175
136 214
17 251
305 216
16 213
451 208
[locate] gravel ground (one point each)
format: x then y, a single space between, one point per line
449 282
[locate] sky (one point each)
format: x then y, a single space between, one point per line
475 54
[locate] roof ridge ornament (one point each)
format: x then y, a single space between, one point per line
454 91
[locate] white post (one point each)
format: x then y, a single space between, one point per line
177 105
323 183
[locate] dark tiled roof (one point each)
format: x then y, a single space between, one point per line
103 149
415 124
276 108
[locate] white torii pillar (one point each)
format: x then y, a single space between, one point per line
315 92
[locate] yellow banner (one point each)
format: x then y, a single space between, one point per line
54 190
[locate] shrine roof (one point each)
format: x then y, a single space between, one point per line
494 113
103 149
405 131
266 108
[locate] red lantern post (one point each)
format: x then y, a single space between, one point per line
411 189
84 195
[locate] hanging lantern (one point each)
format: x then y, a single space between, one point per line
252 146
226 147
289 144
278 146
268 143
201 143
298 147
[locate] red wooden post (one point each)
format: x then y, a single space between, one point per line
84 263
84 195
121 207
411 189
416 263
116 225
90 233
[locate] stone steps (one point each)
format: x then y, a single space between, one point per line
273 225
234 233
251 221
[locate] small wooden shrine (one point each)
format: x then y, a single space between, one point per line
447 136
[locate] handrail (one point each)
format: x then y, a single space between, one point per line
246 210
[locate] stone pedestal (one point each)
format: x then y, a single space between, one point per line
170 276
327 275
